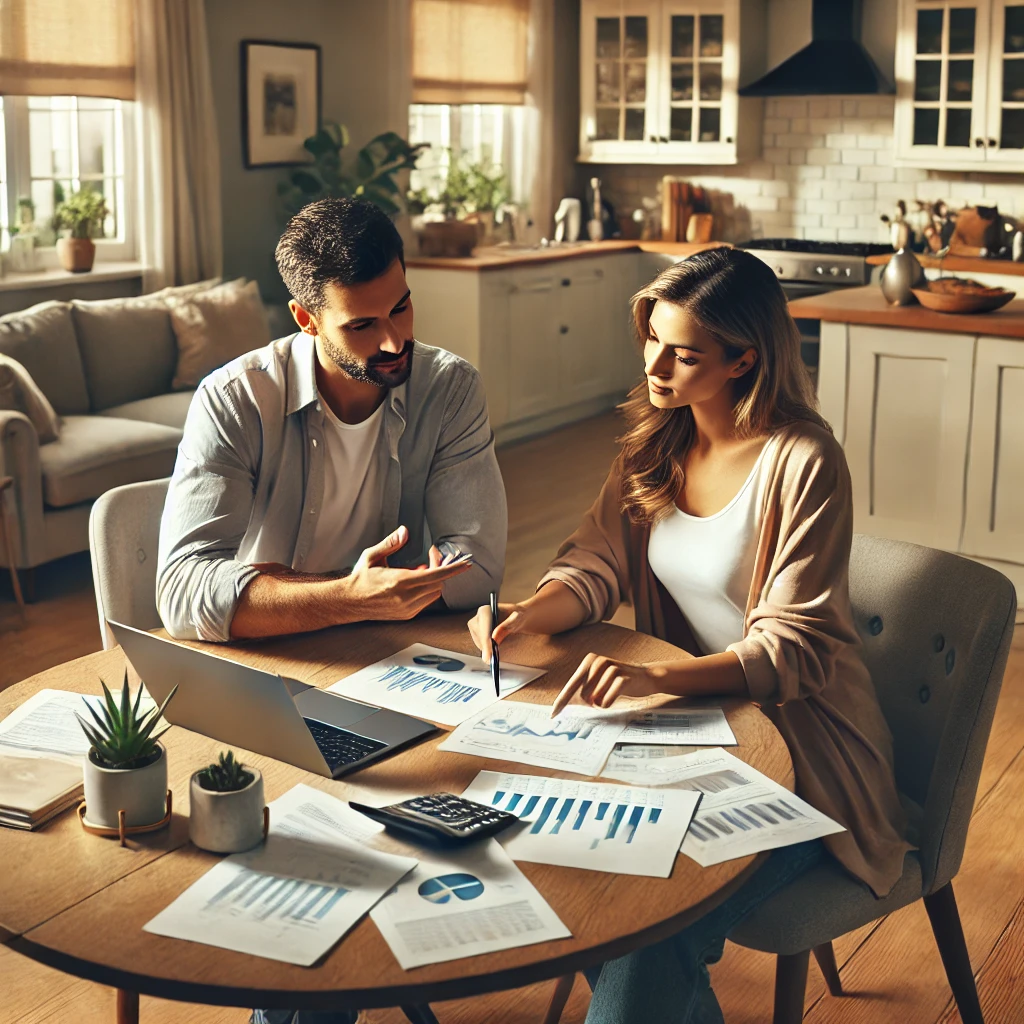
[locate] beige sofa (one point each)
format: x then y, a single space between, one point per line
106 368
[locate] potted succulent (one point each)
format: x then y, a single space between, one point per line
226 806
82 213
125 768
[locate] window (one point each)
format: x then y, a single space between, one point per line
55 145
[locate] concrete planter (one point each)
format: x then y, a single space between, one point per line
76 254
226 822
140 792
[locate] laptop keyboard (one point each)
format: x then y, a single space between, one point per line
339 746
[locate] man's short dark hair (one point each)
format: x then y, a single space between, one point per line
347 241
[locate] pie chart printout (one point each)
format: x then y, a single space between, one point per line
444 887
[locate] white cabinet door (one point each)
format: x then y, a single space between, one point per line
907 420
994 514
585 350
533 337
1005 135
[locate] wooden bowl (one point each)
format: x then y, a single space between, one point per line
983 301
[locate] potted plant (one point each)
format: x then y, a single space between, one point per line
82 213
125 768
226 806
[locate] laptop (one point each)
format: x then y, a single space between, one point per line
264 712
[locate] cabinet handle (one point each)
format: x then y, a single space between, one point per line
566 282
563 329
729 139
979 143
993 143
654 138
664 138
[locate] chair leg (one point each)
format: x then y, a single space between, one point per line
5 527
127 1007
563 989
421 1014
826 957
790 985
949 937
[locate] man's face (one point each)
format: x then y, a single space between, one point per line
366 329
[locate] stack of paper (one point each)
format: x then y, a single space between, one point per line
35 789
686 727
45 726
441 686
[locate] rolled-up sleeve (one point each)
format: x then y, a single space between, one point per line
209 505
465 496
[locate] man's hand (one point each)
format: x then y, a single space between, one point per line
600 681
376 591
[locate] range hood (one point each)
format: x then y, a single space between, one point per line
833 63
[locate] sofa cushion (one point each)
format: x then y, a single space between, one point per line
95 453
42 339
128 348
170 409
18 391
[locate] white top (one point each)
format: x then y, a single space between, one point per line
350 514
706 563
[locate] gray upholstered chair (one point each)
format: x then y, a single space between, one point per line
936 631
124 525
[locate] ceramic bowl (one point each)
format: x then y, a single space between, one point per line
963 302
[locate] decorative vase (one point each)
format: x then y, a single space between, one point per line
902 273
76 255
140 792
226 822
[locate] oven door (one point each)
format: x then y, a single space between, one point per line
810 330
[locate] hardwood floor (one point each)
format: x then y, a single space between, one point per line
891 969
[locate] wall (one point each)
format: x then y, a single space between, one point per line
363 43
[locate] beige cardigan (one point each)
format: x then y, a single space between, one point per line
801 652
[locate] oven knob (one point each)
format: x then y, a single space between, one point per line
819 270
834 271
849 272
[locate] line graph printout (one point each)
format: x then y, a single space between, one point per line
578 740
295 896
689 727
625 829
464 902
442 686
742 811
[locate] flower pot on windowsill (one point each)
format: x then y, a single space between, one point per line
226 822
451 238
140 792
76 255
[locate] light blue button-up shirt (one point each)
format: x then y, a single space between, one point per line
248 482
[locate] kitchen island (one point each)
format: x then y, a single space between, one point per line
930 410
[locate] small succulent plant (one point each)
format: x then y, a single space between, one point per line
226 776
121 737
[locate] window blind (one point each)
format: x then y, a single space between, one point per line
67 48
469 51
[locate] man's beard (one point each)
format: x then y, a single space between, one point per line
372 371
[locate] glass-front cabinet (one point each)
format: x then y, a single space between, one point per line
960 84
659 82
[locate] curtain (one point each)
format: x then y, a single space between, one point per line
470 51
67 48
178 152
538 157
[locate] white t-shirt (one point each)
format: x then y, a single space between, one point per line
350 514
706 563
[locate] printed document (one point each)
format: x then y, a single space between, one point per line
295 896
742 811
432 683
628 830
578 740
687 727
464 902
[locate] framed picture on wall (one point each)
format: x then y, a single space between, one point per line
280 101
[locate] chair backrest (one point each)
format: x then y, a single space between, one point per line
936 629
124 527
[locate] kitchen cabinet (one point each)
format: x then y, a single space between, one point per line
960 84
659 80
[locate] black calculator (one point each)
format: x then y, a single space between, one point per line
439 818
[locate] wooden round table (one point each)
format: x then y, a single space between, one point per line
78 902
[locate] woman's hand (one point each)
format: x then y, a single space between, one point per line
600 681
511 619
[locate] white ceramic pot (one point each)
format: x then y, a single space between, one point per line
226 822
140 792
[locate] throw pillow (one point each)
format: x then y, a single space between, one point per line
216 326
19 392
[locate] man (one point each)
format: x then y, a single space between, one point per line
317 476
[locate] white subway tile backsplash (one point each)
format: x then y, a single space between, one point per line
877 173
823 206
823 156
858 157
841 172
857 206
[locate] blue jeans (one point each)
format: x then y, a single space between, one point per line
669 981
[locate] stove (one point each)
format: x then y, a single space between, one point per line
804 267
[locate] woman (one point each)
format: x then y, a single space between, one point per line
727 521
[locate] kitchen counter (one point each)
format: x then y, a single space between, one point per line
959 264
867 305
497 256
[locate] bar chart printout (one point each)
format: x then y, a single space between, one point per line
294 897
628 830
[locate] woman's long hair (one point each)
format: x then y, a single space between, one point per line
736 298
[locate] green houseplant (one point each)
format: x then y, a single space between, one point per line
126 767
226 806
81 214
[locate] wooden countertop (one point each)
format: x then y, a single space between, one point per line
867 305
495 256
960 264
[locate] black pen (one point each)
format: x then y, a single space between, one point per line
495 664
